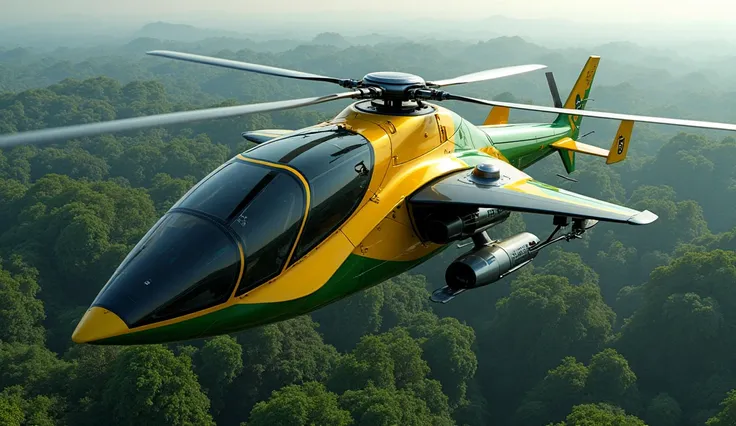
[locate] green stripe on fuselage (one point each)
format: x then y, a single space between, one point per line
525 144
521 144
355 274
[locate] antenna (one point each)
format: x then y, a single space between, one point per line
567 178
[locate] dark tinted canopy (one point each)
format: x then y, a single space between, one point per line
337 164
264 207
192 258
185 264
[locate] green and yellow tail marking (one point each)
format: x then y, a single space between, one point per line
577 99
620 145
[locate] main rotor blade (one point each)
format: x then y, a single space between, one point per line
245 66
71 132
486 75
599 114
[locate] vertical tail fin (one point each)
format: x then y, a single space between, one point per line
498 115
579 96
577 99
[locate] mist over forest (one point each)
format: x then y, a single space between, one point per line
629 326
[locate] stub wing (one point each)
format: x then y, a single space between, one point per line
517 191
265 135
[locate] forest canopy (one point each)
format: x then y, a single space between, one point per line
627 327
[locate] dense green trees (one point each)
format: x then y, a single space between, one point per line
727 415
306 404
21 313
544 319
152 385
625 327
600 415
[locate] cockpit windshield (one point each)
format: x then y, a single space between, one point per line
337 164
269 223
185 264
220 194
245 222
264 206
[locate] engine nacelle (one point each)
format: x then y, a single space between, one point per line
444 228
489 264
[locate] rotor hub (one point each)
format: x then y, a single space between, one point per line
399 108
395 85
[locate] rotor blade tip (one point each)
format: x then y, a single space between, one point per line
159 52
643 218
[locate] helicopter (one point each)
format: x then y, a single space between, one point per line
307 217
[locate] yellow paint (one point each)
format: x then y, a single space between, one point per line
411 137
306 275
302 278
620 145
306 191
203 312
381 148
498 115
575 146
585 80
408 153
403 178
394 239
524 187
388 187
98 323
495 153
312 271
382 212
231 301
400 214
582 85
242 269
401 181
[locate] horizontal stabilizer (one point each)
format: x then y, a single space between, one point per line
583 148
260 136
620 145
517 191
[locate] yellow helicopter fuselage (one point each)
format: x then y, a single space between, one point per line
376 241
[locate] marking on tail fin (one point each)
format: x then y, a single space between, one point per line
620 144
578 105
578 97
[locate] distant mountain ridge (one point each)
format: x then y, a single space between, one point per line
181 32
168 32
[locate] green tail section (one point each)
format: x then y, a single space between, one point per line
568 160
577 100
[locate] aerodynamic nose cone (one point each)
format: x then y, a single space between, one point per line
97 324
184 265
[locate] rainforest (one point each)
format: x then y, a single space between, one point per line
629 326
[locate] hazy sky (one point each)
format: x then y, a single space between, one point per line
598 10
